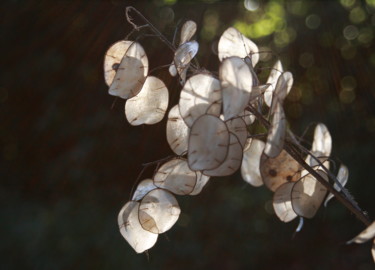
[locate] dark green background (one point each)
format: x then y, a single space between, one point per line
68 160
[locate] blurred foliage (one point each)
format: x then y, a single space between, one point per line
69 160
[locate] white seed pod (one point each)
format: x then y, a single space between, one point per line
112 59
282 88
187 31
202 180
238 127
276 132
342 178
172 70
279 170
233 43
201 94
282 202
308 195
250 163
236 84
158 211
176 176
130 228
232 161
131 73
177 131
208 143
322 140
275 73
149 105
183 56
144 187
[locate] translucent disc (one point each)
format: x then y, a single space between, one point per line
322 140
236 83
130 228
238 127
112 59
208 143
158 211
131 73
144 187
176 176
187 31
365 235
275 73
232 161
233 43
177 131
149 105
276 132
183 56
202 180
201 94
279 170
251 160
282 202
308 195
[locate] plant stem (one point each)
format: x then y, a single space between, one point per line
290 148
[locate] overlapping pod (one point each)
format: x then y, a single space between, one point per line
275 73
282 202
130 227
149 105
201 94
236 83
308 194
250 163
131 73
112 59
238 127
232 161
158 211
177 131
233 43
176 176
276 133
279 170
144 187
208 143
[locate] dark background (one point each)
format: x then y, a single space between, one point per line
69 160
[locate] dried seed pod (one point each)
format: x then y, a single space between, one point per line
275 73
202 180
113 57
177 131
144 187
131 73
276 133
149 105
187 31
282 202
236 83
250 163
158 211
238 127
233 43
279 170
232 161
201 94
130 228
308 194
176 176
208 143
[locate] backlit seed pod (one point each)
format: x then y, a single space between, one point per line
282 202
131 73
251 160
177 131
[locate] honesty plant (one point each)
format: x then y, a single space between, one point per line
208 130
